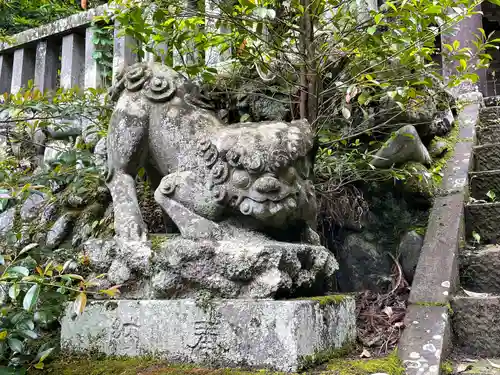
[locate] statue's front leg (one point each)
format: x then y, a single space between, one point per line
126 139
186 202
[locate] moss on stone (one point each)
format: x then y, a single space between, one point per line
447 305
331 299
389 365
157 241
447 368
134 366
323 356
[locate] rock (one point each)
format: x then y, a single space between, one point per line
409 253
118 273
420 181
403 146
60 230
442 123
7 219
242 268
100 254
438 147
32 206
363 264
223 333
53 149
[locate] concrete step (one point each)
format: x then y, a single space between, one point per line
492 101
483 218
488 134
482 182
480 269
476 325
487 157
489 116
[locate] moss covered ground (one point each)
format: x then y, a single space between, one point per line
147 366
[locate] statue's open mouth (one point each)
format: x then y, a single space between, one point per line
268 207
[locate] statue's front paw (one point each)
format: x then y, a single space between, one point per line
136 254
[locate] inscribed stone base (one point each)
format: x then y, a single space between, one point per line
225 333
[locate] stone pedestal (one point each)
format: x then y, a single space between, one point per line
225 333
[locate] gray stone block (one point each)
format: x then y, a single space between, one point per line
488 134
492 101
253 333
482 218
5 73
476 325
426 340
487 157
72 61
480 270
23 69
490 116
46 65
483 182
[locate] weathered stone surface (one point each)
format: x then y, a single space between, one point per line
237 267
438 148
358 251
7 219
32 206
269 334
476 325
5 73
403 146
492 101
480 270
483 182
46 64
23 68
488 134
60 230
490 116
426 340
55 28
436 276
72 61
487 157
482 218
409 253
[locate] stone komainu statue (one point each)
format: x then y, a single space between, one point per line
211 179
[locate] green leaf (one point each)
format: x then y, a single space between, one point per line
491 194
346 113
476 236
42 355
31 297
20 270
14 291
16 345
371 30
27 248
496 2
28 334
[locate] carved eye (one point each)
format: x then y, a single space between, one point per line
160 89
240 178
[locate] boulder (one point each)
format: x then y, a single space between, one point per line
409 253
32 206
403 146
363 264
7 219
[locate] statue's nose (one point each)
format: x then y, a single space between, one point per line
267 184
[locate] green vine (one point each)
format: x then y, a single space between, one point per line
102 38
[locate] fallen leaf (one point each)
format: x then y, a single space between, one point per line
470 360
365 354
388 311
398 325
494 365
474 294
463 367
